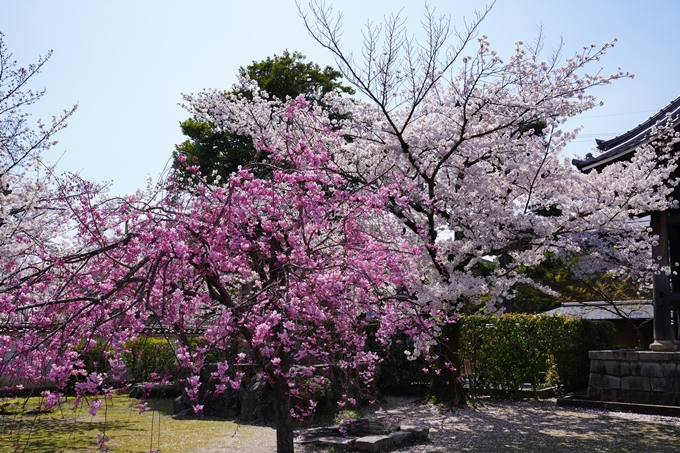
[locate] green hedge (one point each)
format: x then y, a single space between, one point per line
150 355
508 351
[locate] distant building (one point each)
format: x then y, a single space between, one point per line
666 224
640 312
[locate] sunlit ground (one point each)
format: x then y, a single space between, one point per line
68 429
494 426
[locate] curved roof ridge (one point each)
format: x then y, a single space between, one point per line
626 142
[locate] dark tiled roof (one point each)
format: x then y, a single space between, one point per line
620 146
633 309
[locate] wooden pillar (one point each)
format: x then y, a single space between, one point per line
662 286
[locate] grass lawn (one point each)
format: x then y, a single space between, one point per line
23 428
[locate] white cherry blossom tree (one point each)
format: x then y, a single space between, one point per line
31 221
475 142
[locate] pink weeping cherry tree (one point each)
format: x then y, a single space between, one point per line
295 267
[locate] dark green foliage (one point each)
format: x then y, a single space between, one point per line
150 355
557 274
96 359
221 153
211 150
289 76
508 351
571 357
533 128
399 375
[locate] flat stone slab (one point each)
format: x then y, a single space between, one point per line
373 443
418 432
337 443
387 433
382 443
313 435
370 426
401 437
651 409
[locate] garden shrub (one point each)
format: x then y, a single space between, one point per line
508 351
504 353
571 354
150 355
398 375
96 358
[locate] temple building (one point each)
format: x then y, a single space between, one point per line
666 224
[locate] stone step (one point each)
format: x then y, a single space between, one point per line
384 442
371 435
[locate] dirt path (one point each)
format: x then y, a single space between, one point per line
495 426
245 438
534 426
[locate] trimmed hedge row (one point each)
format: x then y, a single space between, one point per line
150 355
503 353
508 351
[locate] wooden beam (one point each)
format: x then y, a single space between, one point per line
662 285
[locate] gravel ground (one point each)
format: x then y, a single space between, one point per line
531 426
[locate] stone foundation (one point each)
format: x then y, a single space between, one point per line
632 376
374 435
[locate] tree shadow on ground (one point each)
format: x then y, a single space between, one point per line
534 426
53 434
501 426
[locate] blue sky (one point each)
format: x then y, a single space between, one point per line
126 63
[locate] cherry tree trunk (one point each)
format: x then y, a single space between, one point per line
446 386
284 421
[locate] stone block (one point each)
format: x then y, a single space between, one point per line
659 384
337 443
609 394
650 369
418 432
178 405
617 367
139 391
612 355
598 367
623 354
670 370
604 381
366 427
639 383
652 356
594 393
633 396
258 400
596 355
661 398
400 438
374 443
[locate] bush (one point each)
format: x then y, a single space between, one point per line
397 374
150 355
508 351
571 354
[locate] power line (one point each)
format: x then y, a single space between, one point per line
617 114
